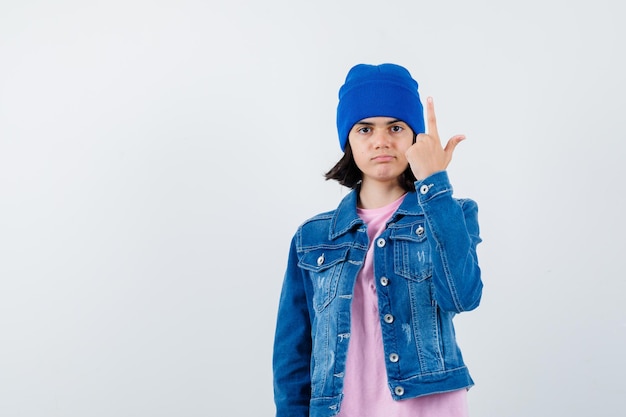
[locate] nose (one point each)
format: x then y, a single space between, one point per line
381 139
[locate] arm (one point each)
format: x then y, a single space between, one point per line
454 227
292 344
453 223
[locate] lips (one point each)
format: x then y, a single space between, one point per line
383 158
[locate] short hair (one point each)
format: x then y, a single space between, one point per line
349 175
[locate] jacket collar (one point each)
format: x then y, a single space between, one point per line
345 217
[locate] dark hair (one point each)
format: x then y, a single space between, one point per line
349 175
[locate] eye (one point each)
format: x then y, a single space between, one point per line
396 128
364 130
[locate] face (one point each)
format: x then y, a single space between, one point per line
379 145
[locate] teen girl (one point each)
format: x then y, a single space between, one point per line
365 320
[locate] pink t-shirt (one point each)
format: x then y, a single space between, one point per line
366 392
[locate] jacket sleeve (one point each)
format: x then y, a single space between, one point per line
292 344
454 228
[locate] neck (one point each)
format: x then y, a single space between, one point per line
376 195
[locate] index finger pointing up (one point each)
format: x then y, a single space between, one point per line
430 118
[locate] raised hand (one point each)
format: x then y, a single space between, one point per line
427 156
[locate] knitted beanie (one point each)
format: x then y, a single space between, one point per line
386 90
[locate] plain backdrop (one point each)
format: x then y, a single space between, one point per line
157 156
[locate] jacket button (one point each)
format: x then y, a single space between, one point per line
424 189
380 242
388 318
394 357
384 281
420 230
399 390
320 260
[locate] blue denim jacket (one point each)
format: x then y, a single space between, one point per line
425 270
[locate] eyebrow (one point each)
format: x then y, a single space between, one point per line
372 124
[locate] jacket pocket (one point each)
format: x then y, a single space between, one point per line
411 251
324 267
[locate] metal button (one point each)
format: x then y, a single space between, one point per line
424 189
420 230
384 281
398 390
388 318
380 242
320 260
394 357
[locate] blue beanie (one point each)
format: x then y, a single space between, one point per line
386 90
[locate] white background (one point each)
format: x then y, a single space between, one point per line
156 157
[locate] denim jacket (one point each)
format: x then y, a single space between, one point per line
425 270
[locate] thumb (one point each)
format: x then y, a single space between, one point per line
452 142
